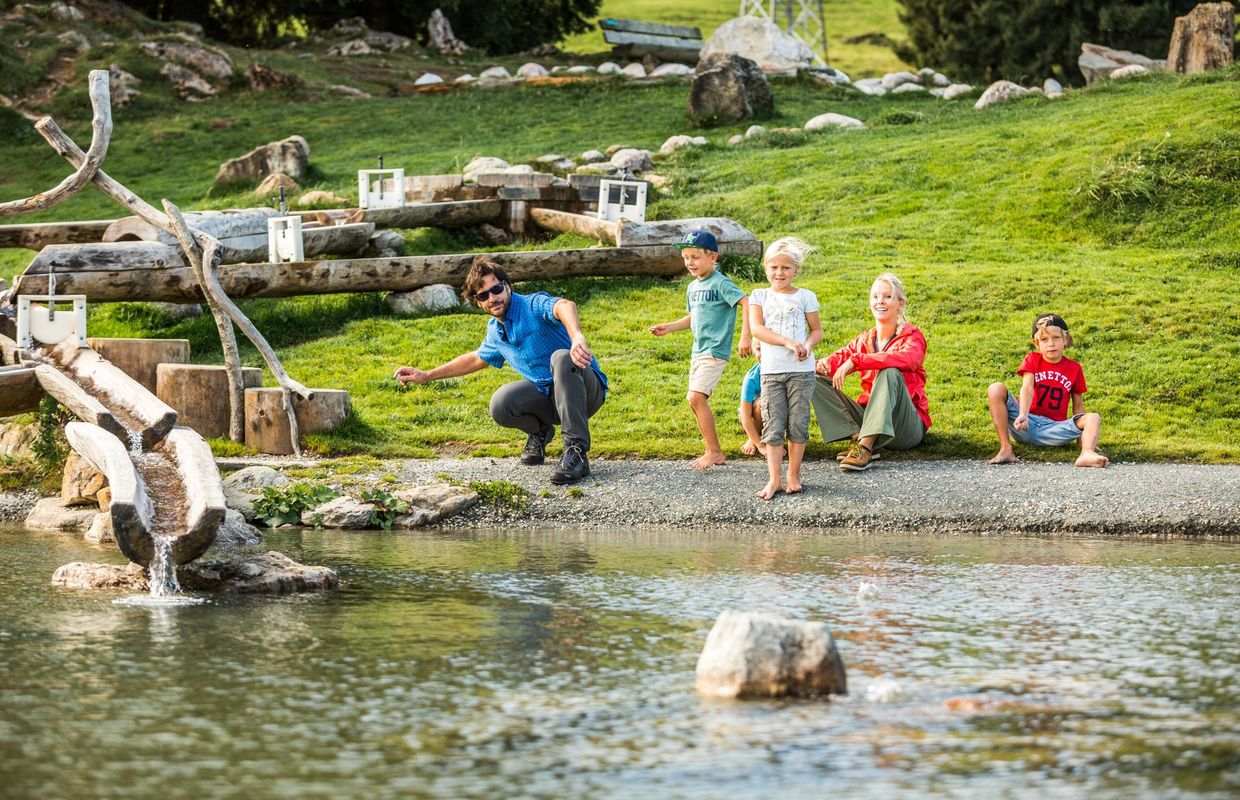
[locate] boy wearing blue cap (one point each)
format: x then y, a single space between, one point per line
712 300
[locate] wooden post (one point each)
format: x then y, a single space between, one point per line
266 424
20 391
140 358
199 393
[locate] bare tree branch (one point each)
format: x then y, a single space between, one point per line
101 134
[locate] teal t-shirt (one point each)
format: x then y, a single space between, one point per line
712 314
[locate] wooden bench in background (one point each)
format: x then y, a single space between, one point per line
634 39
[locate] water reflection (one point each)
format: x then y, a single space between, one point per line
561 664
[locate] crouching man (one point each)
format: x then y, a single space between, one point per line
540 336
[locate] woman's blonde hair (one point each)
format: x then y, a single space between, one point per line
790 246
897 288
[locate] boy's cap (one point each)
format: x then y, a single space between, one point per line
1049 319
703 240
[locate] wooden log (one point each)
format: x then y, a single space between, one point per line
653 28
140 358
220 224
665 48
460 214
20 391
199 393
580 224
400 274
77 400
267 425
335 240
640 234
204 493
10 354
515 180
130 508
40 235
128 402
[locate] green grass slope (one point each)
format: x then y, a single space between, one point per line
1114 207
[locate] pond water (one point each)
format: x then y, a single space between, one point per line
560 664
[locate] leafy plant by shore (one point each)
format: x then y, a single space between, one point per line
387 507
284 505
502 494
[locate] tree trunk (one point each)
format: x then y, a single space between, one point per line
150 280
266 424
204 493
220 224
586 225
37 236
130 508
77 400
140 358
200 392
20 391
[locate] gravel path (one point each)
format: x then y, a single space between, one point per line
929 496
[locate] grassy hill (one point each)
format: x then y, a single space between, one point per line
1114 207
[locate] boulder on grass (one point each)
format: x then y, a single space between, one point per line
289 156
202 60
832 120
727 88
761 41
433 502
633 160
1203 39
272 185
1000 92
263 78
1097 61
436 297
762 655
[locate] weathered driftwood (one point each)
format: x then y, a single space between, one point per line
130 508
640 234
126 399
101 132
139 358
204 493
587 225
20 391
335 240
199 393
459 214
401 274
267 426
77 400
36 236
220 224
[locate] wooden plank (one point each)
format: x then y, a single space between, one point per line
456 214
668 49
505 180
653 28
400 274
20 391
37 236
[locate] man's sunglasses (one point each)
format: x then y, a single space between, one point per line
494 291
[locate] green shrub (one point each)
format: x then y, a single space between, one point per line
502 494
50 446
898 116
387 507
284 505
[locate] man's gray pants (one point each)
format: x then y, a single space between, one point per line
576 394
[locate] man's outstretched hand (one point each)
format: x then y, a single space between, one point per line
407 375
580 353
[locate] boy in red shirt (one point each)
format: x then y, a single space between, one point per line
1049 381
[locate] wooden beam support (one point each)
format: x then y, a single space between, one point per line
588 225
20 391
402 274
36 236
458 214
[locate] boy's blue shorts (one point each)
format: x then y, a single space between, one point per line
1042 431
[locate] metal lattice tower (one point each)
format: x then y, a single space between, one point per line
801 18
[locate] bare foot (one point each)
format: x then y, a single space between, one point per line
1004 457
1092 459
748 448
793 485
708 460
770 490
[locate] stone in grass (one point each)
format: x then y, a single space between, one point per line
592 157
341 512
634 70
1000 92
580 69
633 160
245 486
1052 88
671 71
273 183
908 88
870 86
1128 72
482 165
833 120
762 655
956 90
674 143
532 70
49 515
610 68
319 197
738 138
894 79
428 79
436 297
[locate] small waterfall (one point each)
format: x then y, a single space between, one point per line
163 571
135 442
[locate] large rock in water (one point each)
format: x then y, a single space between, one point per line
761 41
1097 62
289 156
762 655
49 515
727 88
341 512
269 573
1203 39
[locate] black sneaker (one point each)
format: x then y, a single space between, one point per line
573 464
536 446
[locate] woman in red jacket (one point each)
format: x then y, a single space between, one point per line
892 410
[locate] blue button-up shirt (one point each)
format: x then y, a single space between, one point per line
526 338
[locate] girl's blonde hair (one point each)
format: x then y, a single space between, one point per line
897 288
790 246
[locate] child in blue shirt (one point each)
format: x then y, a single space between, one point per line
750 411
712 300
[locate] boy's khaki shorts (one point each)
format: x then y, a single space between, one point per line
704 373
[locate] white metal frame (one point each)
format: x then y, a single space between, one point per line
614 212
284 240
42 324
374 196
801 18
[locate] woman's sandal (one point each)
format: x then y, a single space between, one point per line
859 459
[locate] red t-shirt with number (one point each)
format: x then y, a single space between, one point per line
1053 385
